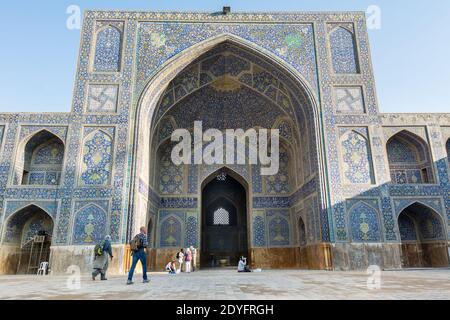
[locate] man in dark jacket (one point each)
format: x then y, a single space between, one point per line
101 263
140 255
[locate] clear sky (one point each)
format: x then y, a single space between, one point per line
410 52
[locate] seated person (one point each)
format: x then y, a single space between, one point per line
242 266
171 267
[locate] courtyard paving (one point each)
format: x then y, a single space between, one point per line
228 284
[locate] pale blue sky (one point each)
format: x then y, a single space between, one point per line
410 53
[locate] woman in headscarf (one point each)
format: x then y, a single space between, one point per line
101 261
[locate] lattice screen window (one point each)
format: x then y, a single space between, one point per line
221 217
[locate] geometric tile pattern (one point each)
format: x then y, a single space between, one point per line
166 129
408 160
259 229
22 226
430 202
427 224
97 159
430 227
356 158
48 154
192 232
279 227
45 165
90 225
36 224
171 230
279 183
400 152
102 98
157 41
407 228
107 50
364 223
171 176
349 100
286 130
343 51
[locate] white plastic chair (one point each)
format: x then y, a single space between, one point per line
43 269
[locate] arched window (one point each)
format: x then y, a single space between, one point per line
107 50
41 161
29 232
422 233
221 217
409 159
343 51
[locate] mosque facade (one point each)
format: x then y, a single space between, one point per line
355 187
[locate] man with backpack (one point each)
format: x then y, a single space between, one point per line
138 246
102 252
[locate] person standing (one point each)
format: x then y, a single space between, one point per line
180 258
194 258
101 255
138 246
188 260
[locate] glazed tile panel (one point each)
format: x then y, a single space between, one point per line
292 43
84 185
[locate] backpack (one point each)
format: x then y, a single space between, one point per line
178 255
135 244
98 250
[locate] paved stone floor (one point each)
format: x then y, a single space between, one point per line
227 284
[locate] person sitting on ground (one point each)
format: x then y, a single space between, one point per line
242 265
171 267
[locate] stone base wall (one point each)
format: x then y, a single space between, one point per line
62 258
9 259
425 255
316 257
274 258
324 256
358 256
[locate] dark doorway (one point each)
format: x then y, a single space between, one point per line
224 222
